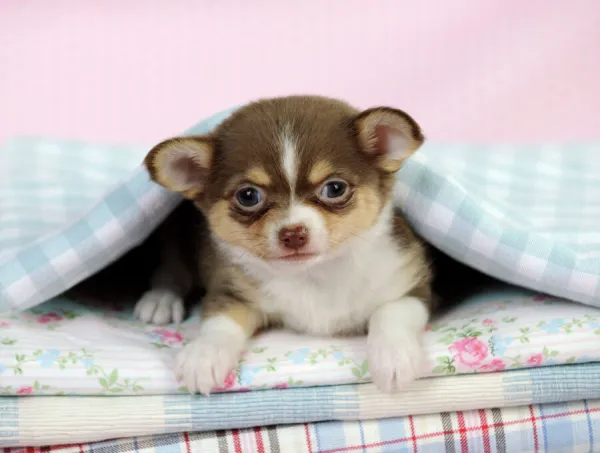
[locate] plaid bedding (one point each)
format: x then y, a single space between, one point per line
524 214
33 421
547 428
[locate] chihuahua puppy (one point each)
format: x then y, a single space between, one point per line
290 222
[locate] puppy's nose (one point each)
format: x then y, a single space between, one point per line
294 237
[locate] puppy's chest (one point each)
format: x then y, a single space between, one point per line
337 298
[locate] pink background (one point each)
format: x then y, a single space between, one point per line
137 71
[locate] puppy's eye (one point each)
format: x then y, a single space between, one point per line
333 190
249 198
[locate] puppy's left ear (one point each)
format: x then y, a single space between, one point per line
389 135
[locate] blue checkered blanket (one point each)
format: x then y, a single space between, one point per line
528 215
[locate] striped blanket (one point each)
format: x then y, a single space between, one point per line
545 428
55 420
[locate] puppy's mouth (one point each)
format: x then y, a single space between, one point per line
297 257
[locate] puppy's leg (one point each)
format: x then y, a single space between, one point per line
227 324
394 342
171 282
163 303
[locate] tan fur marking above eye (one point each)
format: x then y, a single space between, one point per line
258 176
320 171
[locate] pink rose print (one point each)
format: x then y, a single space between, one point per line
229 382
283 385
169 337
535 360
4 324
494 365
488 322
427 328
25 390
243 389
469 351
49 317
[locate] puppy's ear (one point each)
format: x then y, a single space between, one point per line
181 164
389 135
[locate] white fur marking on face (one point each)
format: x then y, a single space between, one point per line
311 218
394 349
203 364
306 215
289 157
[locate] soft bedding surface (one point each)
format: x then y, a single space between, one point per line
64 348
540 428
524 214
545 428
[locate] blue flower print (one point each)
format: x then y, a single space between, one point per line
337 355
553 326
499 344
3 368
88 363
247 374
154 336
48 358
299 356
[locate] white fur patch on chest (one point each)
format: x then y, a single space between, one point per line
340 295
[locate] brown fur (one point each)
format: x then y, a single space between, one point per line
419 260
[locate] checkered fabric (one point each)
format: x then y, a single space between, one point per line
524 214
68 209
45 184
528 215
548 428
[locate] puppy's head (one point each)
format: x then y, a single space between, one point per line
289 182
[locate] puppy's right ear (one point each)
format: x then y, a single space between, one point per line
181 164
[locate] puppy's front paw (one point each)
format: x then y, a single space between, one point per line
395 360
203 364
159 306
